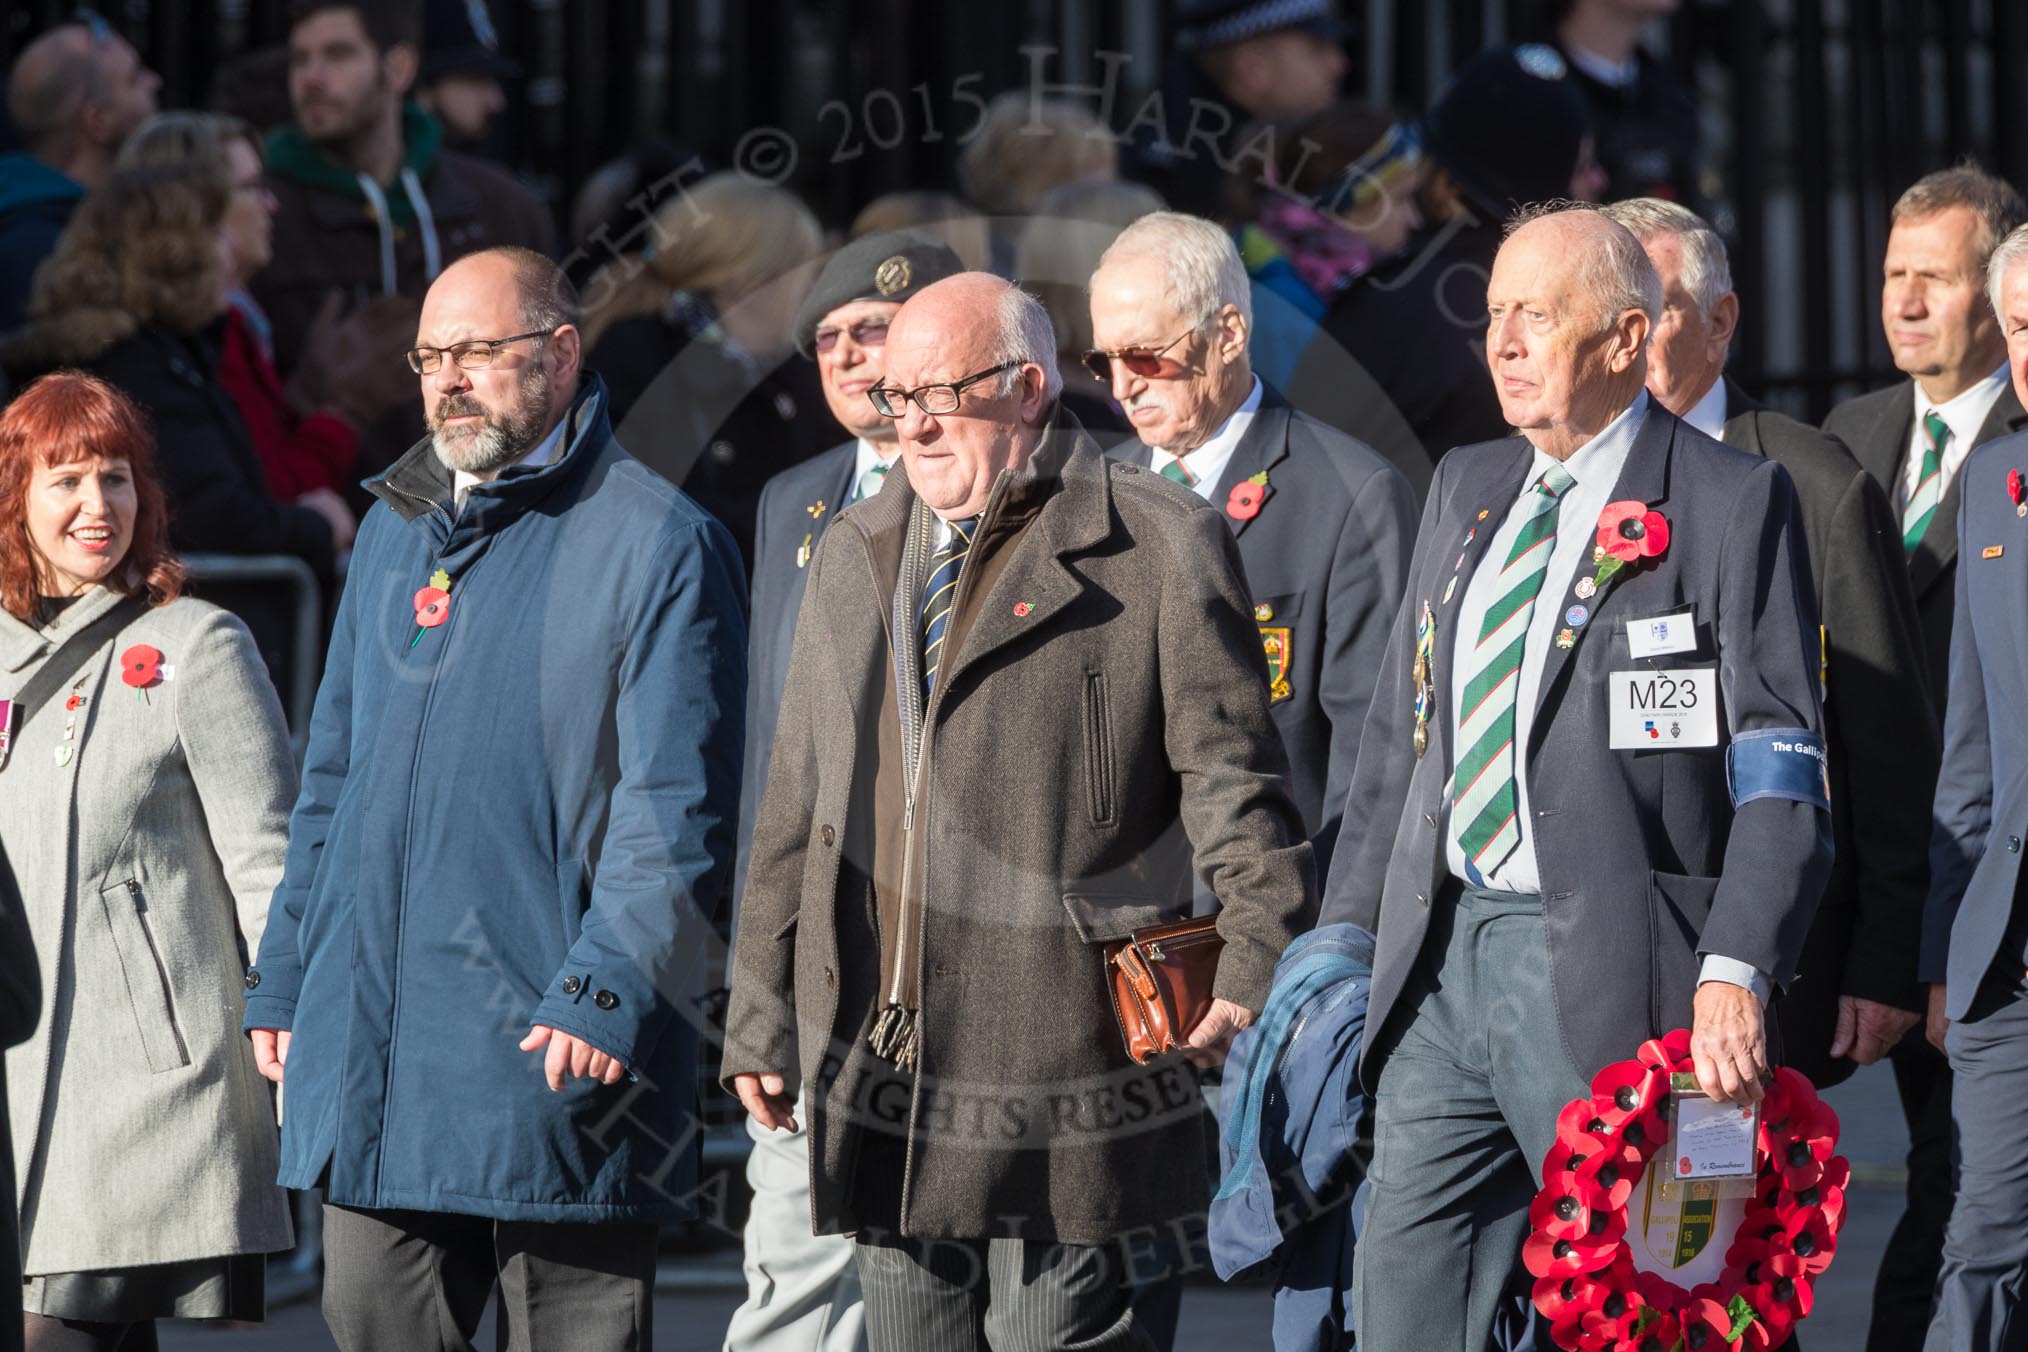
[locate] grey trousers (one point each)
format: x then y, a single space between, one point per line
802 1290
995 1295
1465 1110
1985 1255
420 1280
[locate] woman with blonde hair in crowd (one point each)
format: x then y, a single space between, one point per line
148 780
306 433
1024 149
694 339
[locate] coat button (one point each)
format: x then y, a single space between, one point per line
830 978
253 980
830 837
2013 844
606 1000
572 985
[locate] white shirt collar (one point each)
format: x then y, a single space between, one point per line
869 455
461 482
1965 414
1207 463
1707 415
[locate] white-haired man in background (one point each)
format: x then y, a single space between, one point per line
1324 524
960 816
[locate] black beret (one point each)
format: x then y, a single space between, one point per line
890 265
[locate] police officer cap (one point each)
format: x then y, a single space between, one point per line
1508 128
459 39
1203 24
891 265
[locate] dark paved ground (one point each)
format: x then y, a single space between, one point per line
1218 1319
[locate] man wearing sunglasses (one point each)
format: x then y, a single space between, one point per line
961 816
802 1291
1323 524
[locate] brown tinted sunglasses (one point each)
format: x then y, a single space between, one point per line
1149 363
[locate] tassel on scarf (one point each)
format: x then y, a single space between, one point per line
896 1037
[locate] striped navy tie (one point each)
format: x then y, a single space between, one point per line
937 596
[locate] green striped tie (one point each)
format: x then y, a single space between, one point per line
1484 810
1175 473
1921 509
938 594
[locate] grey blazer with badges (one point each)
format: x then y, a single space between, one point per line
1647 857
1325 560
795 507
1981 811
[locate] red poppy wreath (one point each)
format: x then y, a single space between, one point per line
1598 1279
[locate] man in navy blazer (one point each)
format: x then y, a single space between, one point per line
802 1291
1590 803
1975 929
1324 524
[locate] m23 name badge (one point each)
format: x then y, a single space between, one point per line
1651 710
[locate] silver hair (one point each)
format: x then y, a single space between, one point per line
1022 333
2008 254
1707 268
1203 267
1617 274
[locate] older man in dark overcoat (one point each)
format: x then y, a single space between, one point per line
1015 667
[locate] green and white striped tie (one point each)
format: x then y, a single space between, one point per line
1921 509
1487 797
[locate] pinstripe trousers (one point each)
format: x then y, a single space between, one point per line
995 1295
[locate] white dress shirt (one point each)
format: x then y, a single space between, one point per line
1207 462
461 482
1965 415
1596 467
1707 415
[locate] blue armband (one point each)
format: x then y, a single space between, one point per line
1778 763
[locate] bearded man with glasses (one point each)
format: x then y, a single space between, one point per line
1323 524
1016 669
479 978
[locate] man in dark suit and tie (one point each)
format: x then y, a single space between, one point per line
1859 994
802 1292
1975 933
1324 524
1589 805
1913 437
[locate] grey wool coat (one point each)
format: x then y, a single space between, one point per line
1111 684
141 1131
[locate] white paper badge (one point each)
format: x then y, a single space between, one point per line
1712 1138
1655 710
1658 635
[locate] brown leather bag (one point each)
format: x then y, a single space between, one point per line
1160 980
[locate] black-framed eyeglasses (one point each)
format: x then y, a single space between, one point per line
472 355
866 333
1147 362
931 399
